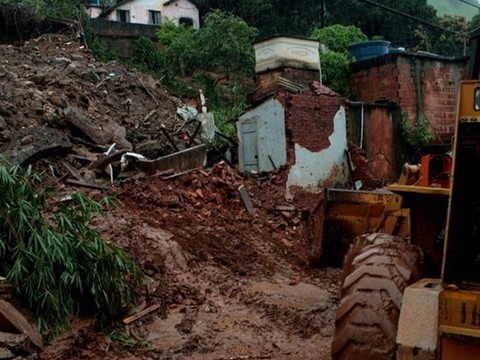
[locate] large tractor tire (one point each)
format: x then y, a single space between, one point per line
377 269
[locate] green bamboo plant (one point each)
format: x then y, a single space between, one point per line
56 261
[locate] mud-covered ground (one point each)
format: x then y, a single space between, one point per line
224 283
229 285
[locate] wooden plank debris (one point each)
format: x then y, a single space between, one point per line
82 159
87 184
246 199
141 314
195 133
178 174
169 138
12 321
73 172
87 143
102 162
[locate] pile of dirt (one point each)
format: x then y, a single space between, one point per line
224 279
53 83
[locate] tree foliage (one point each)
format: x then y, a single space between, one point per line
275 17
376 21
234 54
335 69
56 261
449 43
335 62
271 17
69 9
201 50
145 55
220 52
475 22
338 37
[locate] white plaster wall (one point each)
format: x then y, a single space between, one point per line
182 8
139 11
313 169
93 12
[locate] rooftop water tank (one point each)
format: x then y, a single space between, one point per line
369 49
281 51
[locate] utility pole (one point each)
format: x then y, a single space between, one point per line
322 13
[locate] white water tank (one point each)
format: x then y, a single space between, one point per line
278 52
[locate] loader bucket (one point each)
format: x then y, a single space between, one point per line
341 215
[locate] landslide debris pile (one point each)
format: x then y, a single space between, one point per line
222 280
56 99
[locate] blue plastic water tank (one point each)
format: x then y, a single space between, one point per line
368 49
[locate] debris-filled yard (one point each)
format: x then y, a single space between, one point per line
225 261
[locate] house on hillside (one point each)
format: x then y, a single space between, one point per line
120 25
148 12
294 121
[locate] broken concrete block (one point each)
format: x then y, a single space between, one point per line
16 343
87 127
36 143
208 126
101 134
12 321
180 161
187 113
6 354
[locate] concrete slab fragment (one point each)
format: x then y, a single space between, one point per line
11 320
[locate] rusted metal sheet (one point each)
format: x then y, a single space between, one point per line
180 161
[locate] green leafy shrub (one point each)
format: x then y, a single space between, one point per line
413 138
58 264
145 55
335 69
338 37
93 42
225 44
177 49
201 50
336 61
418 135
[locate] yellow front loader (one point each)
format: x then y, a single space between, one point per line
417 295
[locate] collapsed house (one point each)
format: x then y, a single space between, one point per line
294 121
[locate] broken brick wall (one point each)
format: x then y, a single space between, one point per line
309 121
373 128
314 124
315 127
420 85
